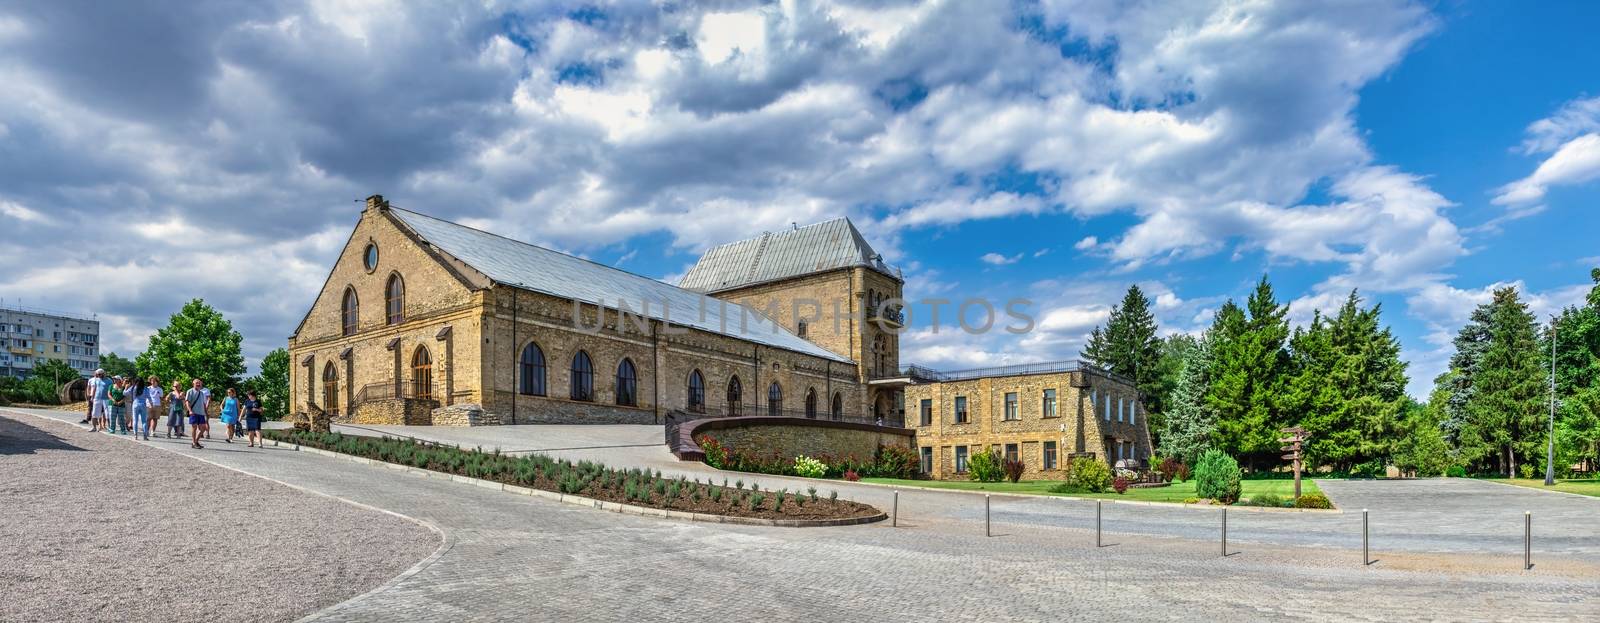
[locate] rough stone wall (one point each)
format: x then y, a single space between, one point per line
1076 427
662 363
795 440
394 412
777 300
436 296
468 414
477 362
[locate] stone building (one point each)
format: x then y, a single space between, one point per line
423 320
824 283
1043 414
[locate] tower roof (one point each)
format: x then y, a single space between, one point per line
774 256
519 264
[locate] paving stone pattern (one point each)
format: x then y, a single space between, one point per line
519 558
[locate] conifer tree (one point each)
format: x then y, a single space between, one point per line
1248 373
1348 386
1128 346
1189 422
1508 392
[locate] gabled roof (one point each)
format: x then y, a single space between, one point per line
773 256
519 264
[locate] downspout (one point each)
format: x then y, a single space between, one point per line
655 366
516 358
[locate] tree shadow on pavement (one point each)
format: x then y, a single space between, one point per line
19 438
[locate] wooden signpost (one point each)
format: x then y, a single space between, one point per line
1292 448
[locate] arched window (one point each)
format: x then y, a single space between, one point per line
330 389
582 377
838 406
735 397
627 384
811 402
532 365
697 392
422 374
349 311
394 299
774 399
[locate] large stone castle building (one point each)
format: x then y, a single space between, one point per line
421 321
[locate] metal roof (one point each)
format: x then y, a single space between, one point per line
516 263
780 255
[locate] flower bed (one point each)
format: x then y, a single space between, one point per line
890 462
637 487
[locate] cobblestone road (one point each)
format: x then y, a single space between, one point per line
519 558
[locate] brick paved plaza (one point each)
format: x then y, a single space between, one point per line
511 557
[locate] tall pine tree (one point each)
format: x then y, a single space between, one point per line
1348 386
1189 422
1577 365
1248 372
1128 346
1507 390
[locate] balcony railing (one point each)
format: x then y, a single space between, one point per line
388 391
895 315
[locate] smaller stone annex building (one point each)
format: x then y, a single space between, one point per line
425 321
1042 414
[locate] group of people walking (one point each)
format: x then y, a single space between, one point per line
132 405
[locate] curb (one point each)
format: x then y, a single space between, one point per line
575 500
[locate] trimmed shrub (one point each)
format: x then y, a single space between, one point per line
809 467
1013 469
1456 471
1313 500
985 467
1089 475
1216 476
1119 484
1267 499
898 462
851 475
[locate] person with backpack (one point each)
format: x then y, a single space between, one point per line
195 403
119 407
138 407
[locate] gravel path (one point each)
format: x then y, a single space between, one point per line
98 528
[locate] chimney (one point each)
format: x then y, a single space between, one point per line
376 202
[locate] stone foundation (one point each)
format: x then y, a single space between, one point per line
798 436
464 415
394 412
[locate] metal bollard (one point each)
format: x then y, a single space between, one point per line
1527 540
894 511
1224 532
1366 556
986 515
1097 504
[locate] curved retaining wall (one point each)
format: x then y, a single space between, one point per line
789 436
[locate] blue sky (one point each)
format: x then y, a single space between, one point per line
1057 151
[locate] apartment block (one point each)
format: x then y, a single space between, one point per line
30 336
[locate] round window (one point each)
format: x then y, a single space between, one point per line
372 257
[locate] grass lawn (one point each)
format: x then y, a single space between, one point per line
1177 492
1580 487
